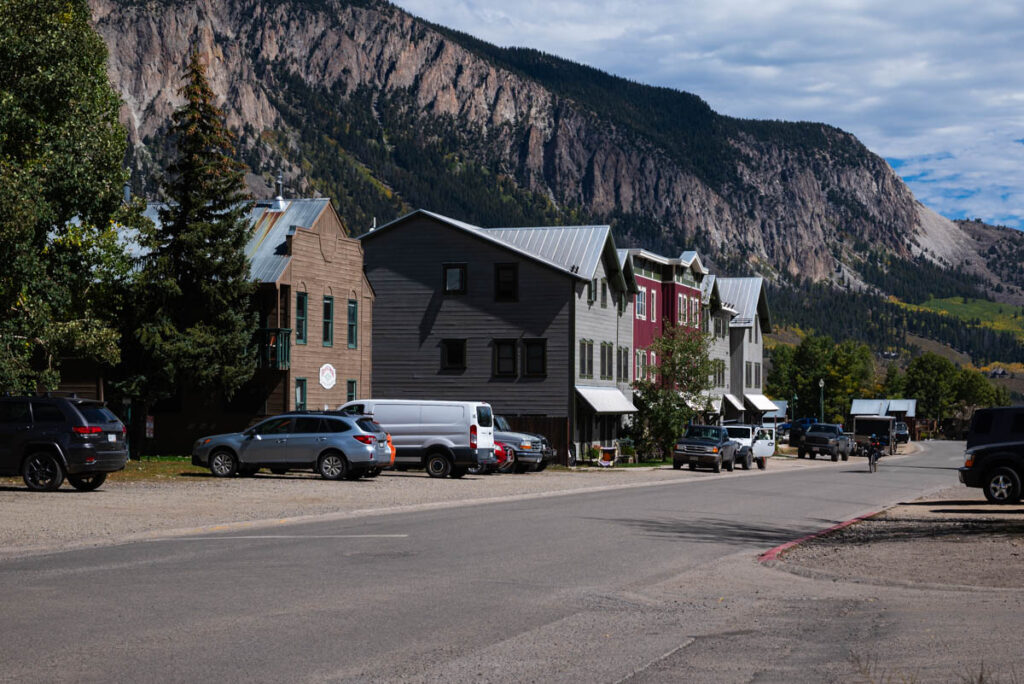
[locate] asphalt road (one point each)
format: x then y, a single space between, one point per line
648 584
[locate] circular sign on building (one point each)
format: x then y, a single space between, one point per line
328 376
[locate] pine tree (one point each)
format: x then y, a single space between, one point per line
198 326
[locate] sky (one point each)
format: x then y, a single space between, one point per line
935 87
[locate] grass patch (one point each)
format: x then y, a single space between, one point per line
157 468
1001 317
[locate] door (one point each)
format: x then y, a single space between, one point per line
764 442
308 436
267 442
15 424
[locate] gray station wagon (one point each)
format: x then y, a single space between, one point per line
336 447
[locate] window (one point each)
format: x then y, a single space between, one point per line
453 278
506 282
350 390
336 425
328 321
504 361
652 367
535 358
353 324
281 425
307 425
680 309
654 305
46 413
607 351
586 358
14 411
749 378
757 374
604 293
750 334
301 316
622 364
300 394
695 312
704 322
641 365
592 291
641 304
453 354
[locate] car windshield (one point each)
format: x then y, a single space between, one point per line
822 427
502 424
741 432
702 432
902 427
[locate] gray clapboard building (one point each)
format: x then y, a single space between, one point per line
535 321
745 400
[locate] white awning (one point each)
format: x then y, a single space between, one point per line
736 403
606 399
761 402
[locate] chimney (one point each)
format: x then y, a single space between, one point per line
279 204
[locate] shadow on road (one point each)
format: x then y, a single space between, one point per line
718 531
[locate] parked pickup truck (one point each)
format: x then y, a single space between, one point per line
994 458
826 439
527 450
705 445
754 444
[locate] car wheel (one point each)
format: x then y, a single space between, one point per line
693 466
438 465
813 455
510 462
223 463
718 465
1002 486
748 460
372 472
459 472
279 471
762 462
87 482
835 456
801 454
732 464
846 456
676 465
332 466
42 472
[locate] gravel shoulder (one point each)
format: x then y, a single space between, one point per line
953 538
124 510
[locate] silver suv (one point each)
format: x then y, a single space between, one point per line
334 446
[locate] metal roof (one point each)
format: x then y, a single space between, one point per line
577 249
746 296
868 407
905 406
270 224
780 412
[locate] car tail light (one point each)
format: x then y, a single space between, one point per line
365 439
472 436
968 460
87 429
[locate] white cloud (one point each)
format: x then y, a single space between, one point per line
934 85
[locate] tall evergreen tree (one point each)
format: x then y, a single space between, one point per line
198 324
61 175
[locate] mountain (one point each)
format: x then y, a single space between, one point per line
384 112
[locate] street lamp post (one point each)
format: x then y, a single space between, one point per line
821 388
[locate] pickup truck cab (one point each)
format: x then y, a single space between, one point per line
827 439
528 451
706 446
994 456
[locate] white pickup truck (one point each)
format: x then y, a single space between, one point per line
756 444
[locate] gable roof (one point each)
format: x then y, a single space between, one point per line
271 222
747 297
574 250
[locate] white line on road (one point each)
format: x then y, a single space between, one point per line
284 536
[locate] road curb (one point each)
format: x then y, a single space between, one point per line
773 554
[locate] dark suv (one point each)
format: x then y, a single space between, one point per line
47 438
994 459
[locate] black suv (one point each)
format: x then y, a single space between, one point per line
47 438
994 459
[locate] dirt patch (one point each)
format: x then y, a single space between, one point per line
954 537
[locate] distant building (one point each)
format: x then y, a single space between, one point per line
746 401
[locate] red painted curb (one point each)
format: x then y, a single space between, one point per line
773 554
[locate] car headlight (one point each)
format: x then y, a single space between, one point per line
968 460
526 445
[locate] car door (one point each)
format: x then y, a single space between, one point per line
764 443
266 442
15 426
308 435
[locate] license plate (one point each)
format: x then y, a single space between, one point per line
111 438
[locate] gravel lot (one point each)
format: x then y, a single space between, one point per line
121 511
954 537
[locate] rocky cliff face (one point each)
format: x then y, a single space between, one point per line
786 209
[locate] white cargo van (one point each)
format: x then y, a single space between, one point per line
445 437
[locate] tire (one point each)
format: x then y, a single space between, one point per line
438 465
693 466
458 472
42 472
762 463
748 460
835 456
1002 486
279 471
332 466
732 464
372 472
801 453
846 456
718 465
676 465
813 456
509 465
87 482
223 463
